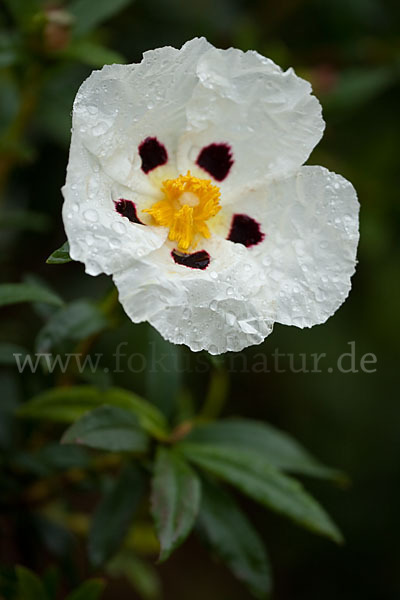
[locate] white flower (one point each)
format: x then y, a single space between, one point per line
185 184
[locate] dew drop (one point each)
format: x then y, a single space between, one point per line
100 128
118 227
90 215
230 319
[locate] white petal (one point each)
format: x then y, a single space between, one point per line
310 222
218 309
121 105
267 116
98 236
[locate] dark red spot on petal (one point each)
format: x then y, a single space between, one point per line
216 159
196 260
127 209
152 153
245 230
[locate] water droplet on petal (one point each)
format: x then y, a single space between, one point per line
118 227
100 128
230 319
90 215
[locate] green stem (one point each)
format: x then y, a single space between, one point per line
217 395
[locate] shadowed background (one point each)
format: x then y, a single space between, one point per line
350 51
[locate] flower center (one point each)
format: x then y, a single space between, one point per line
187 204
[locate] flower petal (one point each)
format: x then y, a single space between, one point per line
120 107
267 118
310 221
217 309
99 236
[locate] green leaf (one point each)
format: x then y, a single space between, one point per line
142 576
30 586
7 352
175 500
66 405
276 446
233 538
108 428
51 581
254 476
73 322
114 514
91 589
60 256
90 15
92 53
51 459
14 293
23 11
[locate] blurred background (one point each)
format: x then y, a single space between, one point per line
350 51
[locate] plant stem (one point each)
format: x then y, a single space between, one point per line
216 396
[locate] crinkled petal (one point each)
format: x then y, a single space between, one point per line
120 106
268 117
218 309
99 236
310 222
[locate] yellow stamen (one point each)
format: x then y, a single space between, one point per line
187 204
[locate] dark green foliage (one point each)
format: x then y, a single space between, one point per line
232 537
175 500
108 428
169 435
114 514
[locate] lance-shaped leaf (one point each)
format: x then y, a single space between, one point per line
142 575
14 293
254 476
108 428
29 586
91 53
60 256
74 322
89 15
175 500
114 514
227 530
66 405
276 446
91 589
